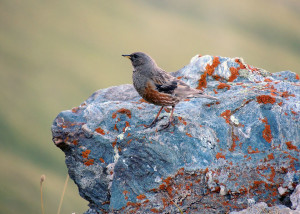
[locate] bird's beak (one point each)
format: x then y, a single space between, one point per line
127 56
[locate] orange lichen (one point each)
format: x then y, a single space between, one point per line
89 162
271 156
216 61
265 99
293 112
167 180
114 143
141 197
202 82
126 125
100 131
154 210
267 135
75 109
125 193
169 190
182 121
256 184
238 61
280 103
75 142
272 175
220 155
116 128
162 187
129 203
234 74
122 111
234 139
290 146
102 160
85 154
211 68
251 151
216 77
165 202
267 80
297 77
223 85
226 115
286 94
188 134
215 91
125 111
129 141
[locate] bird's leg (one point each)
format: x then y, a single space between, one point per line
170 120
156 118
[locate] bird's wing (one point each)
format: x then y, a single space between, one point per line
164 82
167 87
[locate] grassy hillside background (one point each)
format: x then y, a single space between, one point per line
54 54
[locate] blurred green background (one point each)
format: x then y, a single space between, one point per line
55 54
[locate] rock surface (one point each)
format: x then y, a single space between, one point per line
262 208
295 198
217 157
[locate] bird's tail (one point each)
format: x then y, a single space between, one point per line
205 96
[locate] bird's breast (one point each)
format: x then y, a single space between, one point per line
139 82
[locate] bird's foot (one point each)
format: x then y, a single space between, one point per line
163 127
154 122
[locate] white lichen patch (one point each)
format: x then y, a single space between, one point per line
282 190
116 154
223 190
157 179
121 136
234 120
87 130
110 173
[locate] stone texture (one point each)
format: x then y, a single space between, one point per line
262 208
217 157
295 198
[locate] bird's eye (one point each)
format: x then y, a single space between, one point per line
135 56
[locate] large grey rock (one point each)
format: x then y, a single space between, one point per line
217 157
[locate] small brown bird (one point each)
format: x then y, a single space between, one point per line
157 86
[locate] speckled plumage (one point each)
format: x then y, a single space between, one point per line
157 86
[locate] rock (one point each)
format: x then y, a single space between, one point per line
262 208
295 198
217 157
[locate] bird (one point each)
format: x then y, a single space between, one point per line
159 87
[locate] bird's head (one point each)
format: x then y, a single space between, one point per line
140 59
